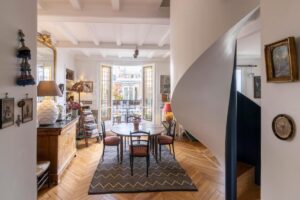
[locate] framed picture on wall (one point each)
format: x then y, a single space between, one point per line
27 110
281 61
257 87
88 86
7 112
164 84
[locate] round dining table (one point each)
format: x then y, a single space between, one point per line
123 130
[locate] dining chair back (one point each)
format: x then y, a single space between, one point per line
139 147
109 141
169 138
103 129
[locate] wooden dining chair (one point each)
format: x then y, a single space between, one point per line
109 141
167 139
139 147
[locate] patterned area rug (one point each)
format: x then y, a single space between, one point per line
166 175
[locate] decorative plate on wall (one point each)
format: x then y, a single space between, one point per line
283 126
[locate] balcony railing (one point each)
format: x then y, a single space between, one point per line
124 109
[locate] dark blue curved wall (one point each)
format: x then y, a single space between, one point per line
242 137
248 133
231 141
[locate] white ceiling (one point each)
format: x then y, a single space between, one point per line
107 28
249 40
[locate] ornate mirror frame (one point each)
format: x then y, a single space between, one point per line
45 39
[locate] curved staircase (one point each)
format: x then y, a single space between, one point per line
202 71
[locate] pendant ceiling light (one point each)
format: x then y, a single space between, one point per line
136 53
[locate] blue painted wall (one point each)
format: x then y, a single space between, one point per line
248 133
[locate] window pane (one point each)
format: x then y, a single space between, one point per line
147 93
106 93
43 73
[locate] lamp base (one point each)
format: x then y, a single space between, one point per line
47 112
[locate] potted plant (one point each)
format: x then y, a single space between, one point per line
74 106
136 122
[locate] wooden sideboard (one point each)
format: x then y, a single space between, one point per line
57 144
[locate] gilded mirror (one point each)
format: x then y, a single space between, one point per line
46 58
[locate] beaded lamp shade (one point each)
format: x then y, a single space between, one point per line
81 86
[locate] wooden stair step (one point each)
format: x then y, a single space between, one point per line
245 178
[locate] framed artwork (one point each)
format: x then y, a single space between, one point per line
69 84
165 97
7 107
257 87
61 87
87 102
165 84
27 110
88 86
281 61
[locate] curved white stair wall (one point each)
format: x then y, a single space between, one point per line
202 57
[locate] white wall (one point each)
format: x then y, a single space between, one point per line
17 144
64 60
203 35
196 25
280 159
89 70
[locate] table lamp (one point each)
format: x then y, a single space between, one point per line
168 112
47 111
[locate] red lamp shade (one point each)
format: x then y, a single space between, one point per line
167 107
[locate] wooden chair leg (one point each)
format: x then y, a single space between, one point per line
130 158
125 138
160 152
103 150
118 153
86 142
131 165
48 179
147 160
173 150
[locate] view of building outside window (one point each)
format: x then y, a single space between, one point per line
126 92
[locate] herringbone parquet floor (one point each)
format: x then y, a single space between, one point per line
200 165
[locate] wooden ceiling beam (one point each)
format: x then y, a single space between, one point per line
41 5
108 45
163 39
143 32
76 4
116 5
93 33
118 33
59 12
67 33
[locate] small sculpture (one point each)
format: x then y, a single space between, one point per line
24 53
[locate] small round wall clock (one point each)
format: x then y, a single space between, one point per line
283 126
